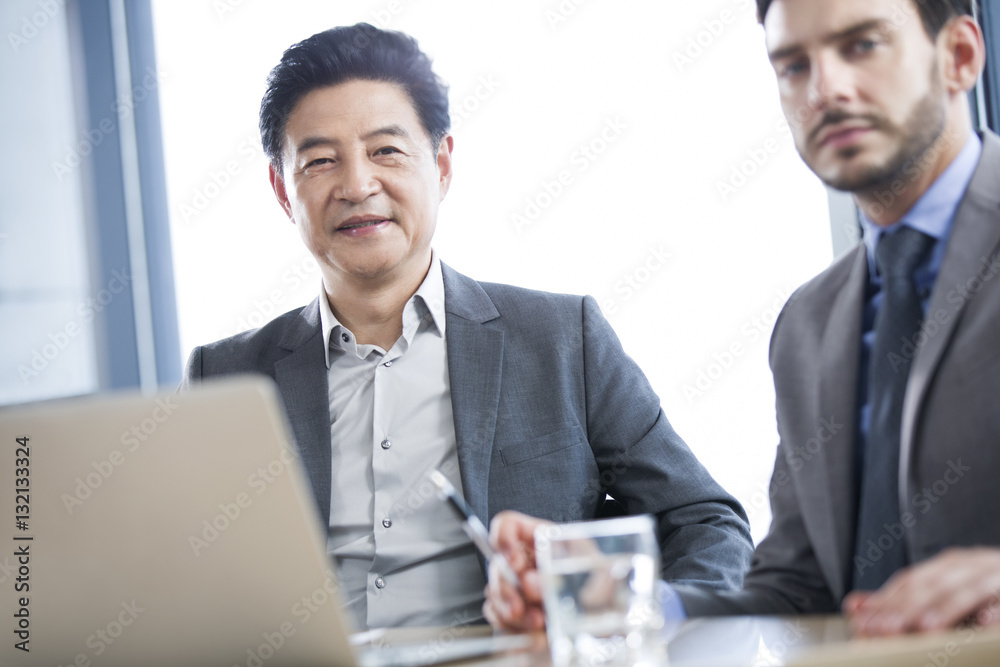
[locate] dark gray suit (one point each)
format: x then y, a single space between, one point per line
550 415
950 445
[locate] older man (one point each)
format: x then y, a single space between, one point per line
525 400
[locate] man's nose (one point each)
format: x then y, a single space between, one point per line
356 181
831 82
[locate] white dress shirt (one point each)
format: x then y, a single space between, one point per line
400 551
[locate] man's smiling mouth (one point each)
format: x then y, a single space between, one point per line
359 225
358 222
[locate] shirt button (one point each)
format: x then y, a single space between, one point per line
386 444
387 364
345 338
387 523
379 582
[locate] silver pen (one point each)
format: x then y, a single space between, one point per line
473 527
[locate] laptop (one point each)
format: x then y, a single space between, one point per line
177 529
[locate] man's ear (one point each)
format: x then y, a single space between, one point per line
444 162
278 185
964 54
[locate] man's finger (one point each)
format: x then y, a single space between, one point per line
509 603
512 534
989 616
531 584
490 615
854 601
534 619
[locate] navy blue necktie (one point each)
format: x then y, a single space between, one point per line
880 548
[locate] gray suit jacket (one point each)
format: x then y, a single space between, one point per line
550 416
950 447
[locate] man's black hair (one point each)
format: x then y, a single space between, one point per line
338 55
935 14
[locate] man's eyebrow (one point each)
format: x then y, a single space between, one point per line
388 130
313 142
865 26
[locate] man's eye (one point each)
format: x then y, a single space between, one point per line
863 46
793 68
387 150
319 161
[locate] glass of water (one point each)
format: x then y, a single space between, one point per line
598 585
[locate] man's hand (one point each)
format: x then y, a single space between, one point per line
940 593
506 607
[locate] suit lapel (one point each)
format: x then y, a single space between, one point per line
475 356
302 380
974 238
838 377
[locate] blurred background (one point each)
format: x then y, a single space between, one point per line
631 150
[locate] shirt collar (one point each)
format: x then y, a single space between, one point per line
934 212
428 299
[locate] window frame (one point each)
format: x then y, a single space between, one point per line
137 338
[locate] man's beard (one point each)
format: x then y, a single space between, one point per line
915 137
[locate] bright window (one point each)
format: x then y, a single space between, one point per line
46 305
